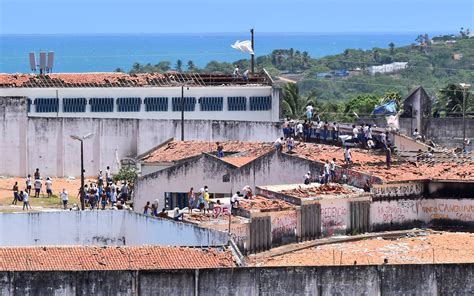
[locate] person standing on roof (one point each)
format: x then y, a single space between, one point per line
347 155
332 167
355 133
245 76
335 131
206 199
307 178
388 156
290 142
220 150
236 72
327 171
299 131
191 200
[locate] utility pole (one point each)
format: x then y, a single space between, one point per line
182 112
82 197
465 88
252 60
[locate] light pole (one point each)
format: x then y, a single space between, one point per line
465 88
182 112
81 139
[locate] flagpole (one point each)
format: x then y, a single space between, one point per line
252 61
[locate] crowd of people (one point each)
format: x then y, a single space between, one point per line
99 194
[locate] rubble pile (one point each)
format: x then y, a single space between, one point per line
262 203
324 189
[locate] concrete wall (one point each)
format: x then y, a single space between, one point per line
45 143
101 228
405 213
426 279
443 131
143 92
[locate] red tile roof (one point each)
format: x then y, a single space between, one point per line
115 79
262 203
111 258
373 163
177 150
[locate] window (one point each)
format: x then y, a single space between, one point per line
211 103
102 104
237 103
156 104
260 103
74 105
129 104
46 105
189 103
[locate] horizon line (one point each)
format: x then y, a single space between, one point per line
229 33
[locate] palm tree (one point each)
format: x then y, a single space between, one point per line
392 47
451 99
293 103
179 65
191 66
306 59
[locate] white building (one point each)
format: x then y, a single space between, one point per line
387 68
127 115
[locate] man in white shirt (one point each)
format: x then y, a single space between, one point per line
355 133
64 198
234 200
49 187
278 144
332 167
299 130
236 72
327 171
307 178
108 176
38 185
26 202
309 112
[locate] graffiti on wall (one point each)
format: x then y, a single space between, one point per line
462 210
397 190
397 211
334 216
426 210
283 224
221 210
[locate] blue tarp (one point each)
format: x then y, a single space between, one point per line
388 108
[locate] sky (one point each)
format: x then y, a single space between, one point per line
220 16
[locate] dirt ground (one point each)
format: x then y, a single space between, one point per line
38 204
428 248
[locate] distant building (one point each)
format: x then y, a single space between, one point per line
387 68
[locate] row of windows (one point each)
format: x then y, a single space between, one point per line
152 104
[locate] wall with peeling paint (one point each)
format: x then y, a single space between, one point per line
45 143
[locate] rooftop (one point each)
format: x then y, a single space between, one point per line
237 153
446 247
262 203
73 258
374 163
115 79
313 190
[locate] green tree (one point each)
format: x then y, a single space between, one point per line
191 66
451 98
127 174
294 104
162 66
392 95
391 45
179 66
119 70
362 104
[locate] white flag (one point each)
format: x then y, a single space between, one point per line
243 46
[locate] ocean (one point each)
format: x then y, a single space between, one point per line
105 53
